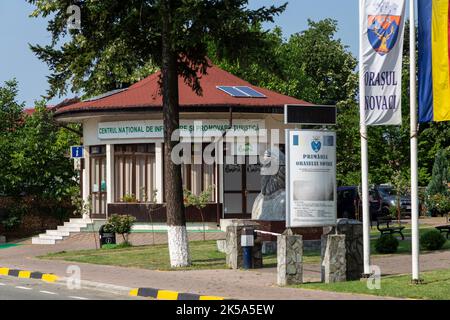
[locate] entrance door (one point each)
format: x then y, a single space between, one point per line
242 184
98 190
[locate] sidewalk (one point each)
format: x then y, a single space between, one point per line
235 284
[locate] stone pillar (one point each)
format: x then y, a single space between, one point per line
2 239
333 265
290 259
353 231
234 258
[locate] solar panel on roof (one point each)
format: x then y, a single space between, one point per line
104 95
232 91
250 92
241 92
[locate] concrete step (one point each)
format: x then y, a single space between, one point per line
37 240
79 220
68 229
58 233
50 237
77 225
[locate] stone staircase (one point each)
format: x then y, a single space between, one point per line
62 232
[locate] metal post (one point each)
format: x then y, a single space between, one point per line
364 154
413 124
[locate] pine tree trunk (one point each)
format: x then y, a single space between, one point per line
176 220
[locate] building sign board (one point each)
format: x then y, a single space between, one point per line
76 152
311 178
155 128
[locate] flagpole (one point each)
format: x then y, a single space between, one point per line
413 124
364 154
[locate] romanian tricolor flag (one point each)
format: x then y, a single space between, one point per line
434 60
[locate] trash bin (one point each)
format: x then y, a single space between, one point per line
106 237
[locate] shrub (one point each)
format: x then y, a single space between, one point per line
129 198
386 244
122 224
109 228
432 240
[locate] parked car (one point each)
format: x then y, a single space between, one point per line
349 203
389 201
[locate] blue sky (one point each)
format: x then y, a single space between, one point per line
17 30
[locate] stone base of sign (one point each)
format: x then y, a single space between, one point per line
290 259
234 258
333 264
2 239
221 245
353 231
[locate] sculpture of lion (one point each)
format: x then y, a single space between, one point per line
270 204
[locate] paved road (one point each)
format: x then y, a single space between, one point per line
29 289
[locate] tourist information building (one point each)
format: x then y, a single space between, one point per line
123 166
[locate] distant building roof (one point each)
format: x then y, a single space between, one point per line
30 111
145 94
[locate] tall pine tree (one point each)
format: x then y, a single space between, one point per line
119 40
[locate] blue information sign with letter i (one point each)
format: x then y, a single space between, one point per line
76 152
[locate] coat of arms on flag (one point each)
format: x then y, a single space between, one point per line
383 32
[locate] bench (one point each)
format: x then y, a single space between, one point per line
383 225
445 228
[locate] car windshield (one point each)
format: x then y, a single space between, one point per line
385 192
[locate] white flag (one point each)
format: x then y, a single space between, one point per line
382 31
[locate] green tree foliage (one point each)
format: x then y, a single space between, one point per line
118 39
33 151
36 177
314 66
441 175
10 123
120 42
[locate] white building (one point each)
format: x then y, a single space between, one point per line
123 143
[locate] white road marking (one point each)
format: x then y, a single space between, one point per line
47 292
79 298
2 284
23 288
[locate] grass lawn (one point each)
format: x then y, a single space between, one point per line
204 255
404 245
436 286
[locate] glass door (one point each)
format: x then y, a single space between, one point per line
98 190
242 184
252 184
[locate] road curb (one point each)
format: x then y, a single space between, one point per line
157 294
169 295
25 274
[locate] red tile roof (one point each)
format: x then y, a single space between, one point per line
145 94
30 111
